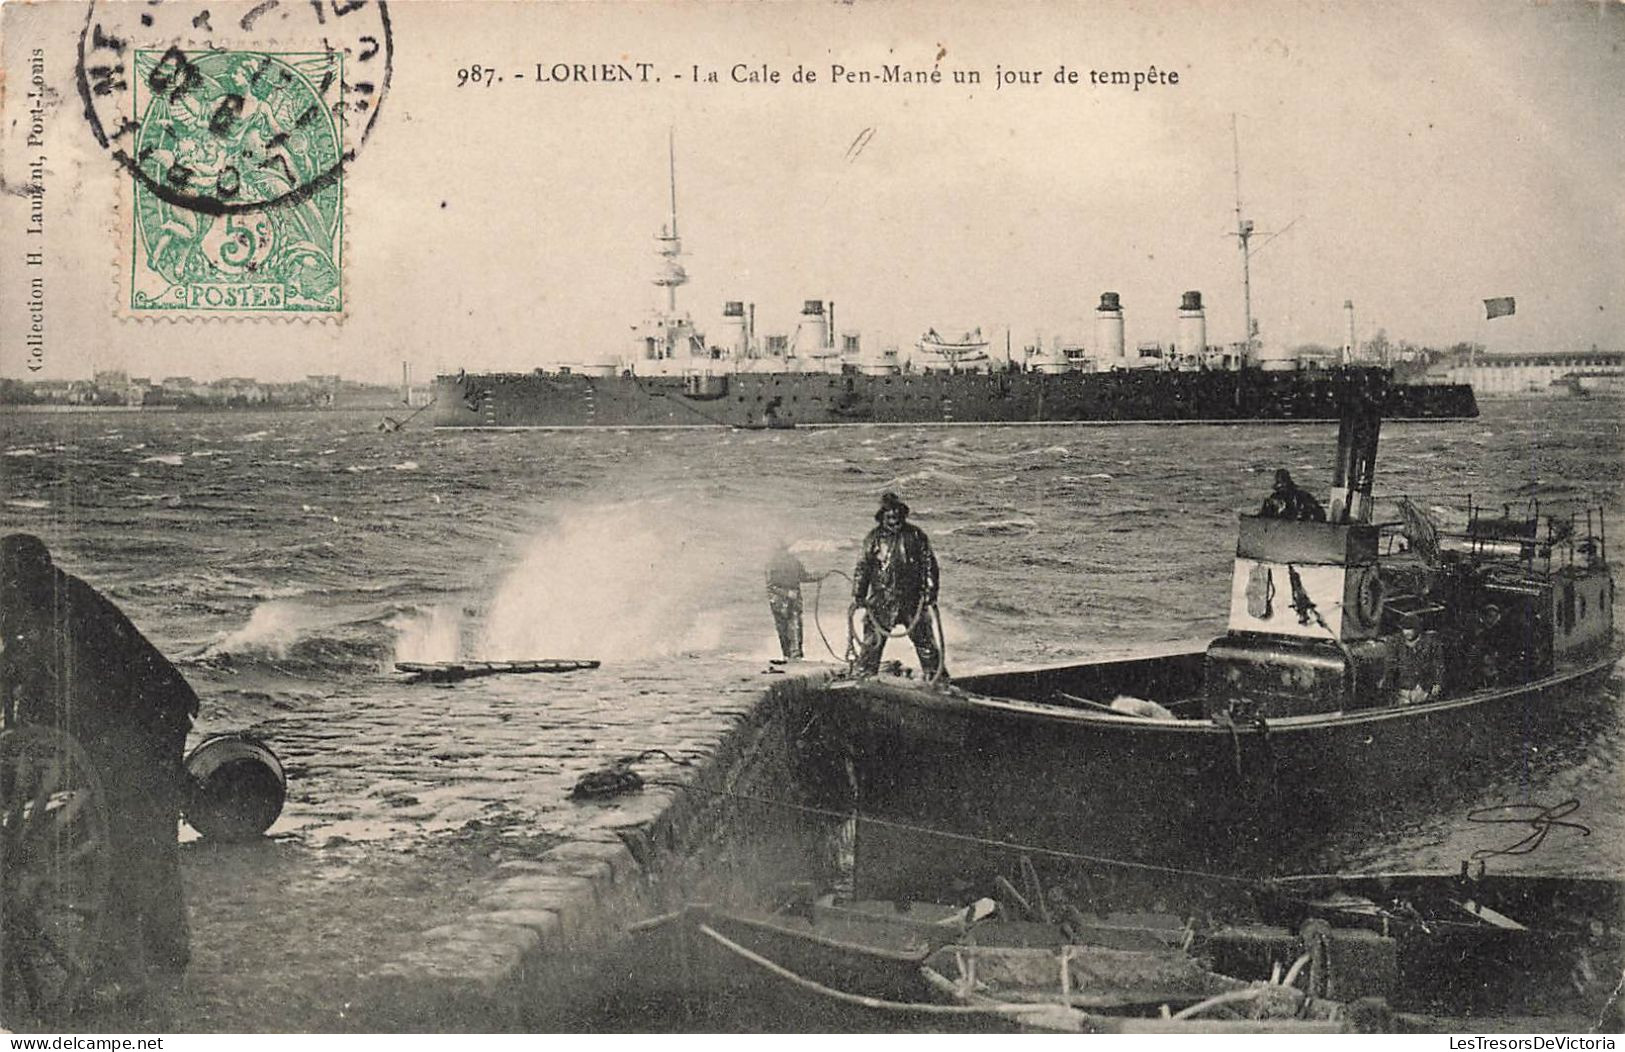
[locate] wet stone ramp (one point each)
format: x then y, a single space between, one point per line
715 739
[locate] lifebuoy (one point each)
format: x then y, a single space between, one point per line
1368 598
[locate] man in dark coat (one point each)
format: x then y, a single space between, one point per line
73 661
896 583
785 576
1287 501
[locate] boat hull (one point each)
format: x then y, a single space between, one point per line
955 785
755 400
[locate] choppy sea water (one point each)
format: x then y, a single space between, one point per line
303 553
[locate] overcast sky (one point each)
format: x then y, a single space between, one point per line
1416 157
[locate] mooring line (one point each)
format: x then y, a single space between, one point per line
966 838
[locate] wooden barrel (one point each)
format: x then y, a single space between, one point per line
237 787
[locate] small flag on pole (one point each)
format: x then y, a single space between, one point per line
1500 307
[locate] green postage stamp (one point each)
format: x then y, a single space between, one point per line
238 192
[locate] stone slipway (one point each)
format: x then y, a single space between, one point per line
528 954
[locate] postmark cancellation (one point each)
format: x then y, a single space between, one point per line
233 127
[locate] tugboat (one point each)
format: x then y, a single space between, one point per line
1366 666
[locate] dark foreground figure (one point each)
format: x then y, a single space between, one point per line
896 583
73 661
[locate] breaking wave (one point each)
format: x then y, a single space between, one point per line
288 636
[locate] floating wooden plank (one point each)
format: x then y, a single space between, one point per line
452 671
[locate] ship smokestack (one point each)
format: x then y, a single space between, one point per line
813 334
1109 332
735 338
1349 346
1192 325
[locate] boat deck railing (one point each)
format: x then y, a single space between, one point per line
1539 540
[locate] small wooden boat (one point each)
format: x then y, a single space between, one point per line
941 352
1313 954
453 671
895 970
1367 666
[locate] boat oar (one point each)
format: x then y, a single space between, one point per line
1029 877
1020 900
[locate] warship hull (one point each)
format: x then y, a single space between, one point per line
807 399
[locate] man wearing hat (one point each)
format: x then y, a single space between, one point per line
896 584
1288 501
70 659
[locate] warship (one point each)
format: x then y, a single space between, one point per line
674 376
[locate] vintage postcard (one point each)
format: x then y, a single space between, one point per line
807 517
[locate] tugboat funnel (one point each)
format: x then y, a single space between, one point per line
1355 470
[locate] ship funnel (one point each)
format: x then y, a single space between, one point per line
812 335
735 340
1192 326
1109 332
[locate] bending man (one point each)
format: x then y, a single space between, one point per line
896 583
73 661
785 576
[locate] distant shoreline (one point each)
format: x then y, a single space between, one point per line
262 408
88 408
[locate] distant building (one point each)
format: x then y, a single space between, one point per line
323 387
1541 372
239 390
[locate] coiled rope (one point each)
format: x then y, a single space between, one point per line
854 648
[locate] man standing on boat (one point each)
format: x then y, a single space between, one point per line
70 659
1288 501
896 584
785 575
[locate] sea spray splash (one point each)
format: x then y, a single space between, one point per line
435 634
273 626
637 579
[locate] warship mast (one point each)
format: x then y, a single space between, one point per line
1244 233
672 273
